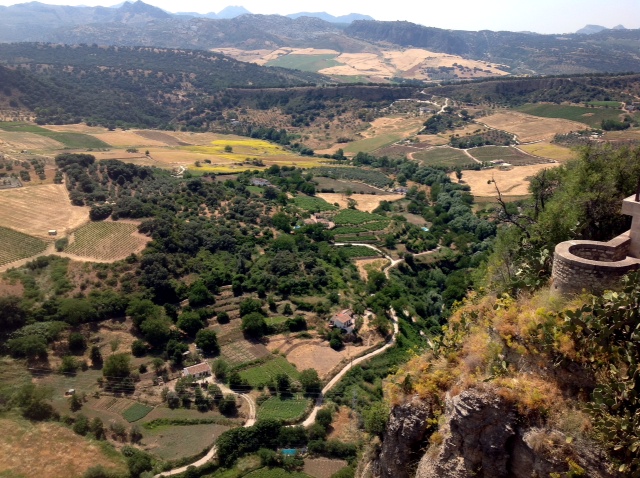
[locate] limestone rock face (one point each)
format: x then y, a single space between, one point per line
477 438
402 440
481 438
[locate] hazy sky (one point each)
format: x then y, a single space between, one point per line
544 16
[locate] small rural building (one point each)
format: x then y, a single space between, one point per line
401 190
344 320
260 182
53 232
200 370
316 219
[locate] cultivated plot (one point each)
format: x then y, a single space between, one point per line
15 246
511 183
364 202
38 209
590 116
448 157
108 241
264 373
530 128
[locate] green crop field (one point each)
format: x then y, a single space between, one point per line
447 157
313 63
358 251
261 374
590 116
106 240
371 144
354 217
313 204
275 473
136 412
369 226
15 246
283 409
70 140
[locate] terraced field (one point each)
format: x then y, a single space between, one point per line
107 241
15 246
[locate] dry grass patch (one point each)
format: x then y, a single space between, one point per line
38 209
344 426
48 449
511 183
364 202
530 128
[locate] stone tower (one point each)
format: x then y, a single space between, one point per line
597 266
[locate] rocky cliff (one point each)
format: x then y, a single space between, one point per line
480 436
503 394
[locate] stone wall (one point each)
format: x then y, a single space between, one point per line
590 265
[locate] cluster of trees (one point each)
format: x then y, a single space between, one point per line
124 86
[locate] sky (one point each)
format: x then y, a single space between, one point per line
542 16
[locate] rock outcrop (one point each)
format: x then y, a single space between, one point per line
481 436
403 440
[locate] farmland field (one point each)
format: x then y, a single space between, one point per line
69 140
313 204
322 467
351 216
107 241
37 209
136 412
267 371
15 246
283 409
373 178
241 351
340 186
371 144
358 251
172 442
311 63
370 226
548 150
507 154
275 473
530 128
365 202
589 116
448 157
511 183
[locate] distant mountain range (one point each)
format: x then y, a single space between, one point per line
591 29
140 24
